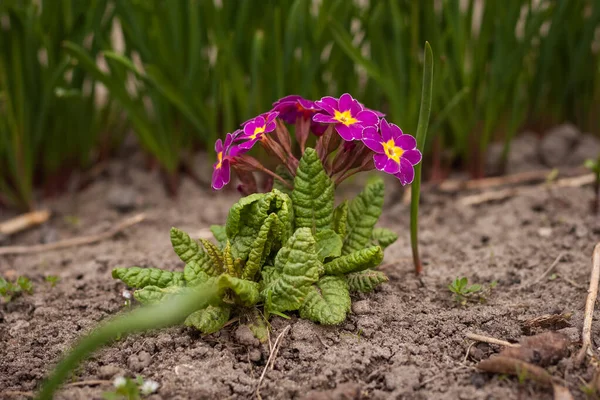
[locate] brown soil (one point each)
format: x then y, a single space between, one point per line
406 340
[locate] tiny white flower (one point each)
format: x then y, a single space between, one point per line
126 294
119 382
149 387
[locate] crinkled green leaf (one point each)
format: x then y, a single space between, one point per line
354 262
365 281
313 194
247 292
220 233
340 218
210 319
194 275
285 174
202 265
298 266
185 247
262 246
230 265
268 275
329 244
248 215
258 326
363 213
138 278
213 252
155 294
327 302
383 237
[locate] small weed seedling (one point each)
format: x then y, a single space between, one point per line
464 292
9 290
131 389
52 280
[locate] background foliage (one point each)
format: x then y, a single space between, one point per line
77 75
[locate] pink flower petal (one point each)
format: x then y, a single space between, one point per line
407 172
405 142
324 119
328 104
391 167
413 156
386 130
219 146
371 139
345 103
380 160
346 132
367 118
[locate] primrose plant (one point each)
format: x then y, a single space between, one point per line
290 248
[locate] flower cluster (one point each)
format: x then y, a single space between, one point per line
363 140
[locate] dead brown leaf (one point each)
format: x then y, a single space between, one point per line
544 349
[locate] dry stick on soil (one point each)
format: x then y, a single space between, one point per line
271 360
451 186
92 382
491 340
586 335
75 241
15 393
23 222
546 272
511 192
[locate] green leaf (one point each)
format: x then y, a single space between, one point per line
137 277
327 302
210 319
313 194
219 233
247 292
354 262
247 216
155 294
285 174
365 281
195 270
261 247
269 274
329 244
185 247
213 252
299 267
383 237
340 218
363 213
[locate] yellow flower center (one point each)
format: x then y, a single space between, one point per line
392 151
257 130
345 117
219 159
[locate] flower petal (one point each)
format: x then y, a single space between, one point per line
225 172
396 131
413 156
292 98
270 127
371 139
348 133
386 130
405 142
235 151
324 119
249 130
219 146
345 103
367 118
391 167
407 172
380 160
328 104
356 107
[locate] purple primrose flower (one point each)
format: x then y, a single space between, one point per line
254 130
395 152
347 115
221 174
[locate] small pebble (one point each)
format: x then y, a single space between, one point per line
138 362
255 355
245 337
109 371
545 232
361 307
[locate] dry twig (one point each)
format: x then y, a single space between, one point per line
24 221
91 382
496 195
546 272
491 340
586 335
15 393
85 240
271 359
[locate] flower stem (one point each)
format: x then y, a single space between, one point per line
424 112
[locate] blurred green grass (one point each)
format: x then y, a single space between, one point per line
184 72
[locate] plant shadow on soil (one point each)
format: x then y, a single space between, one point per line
405 340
